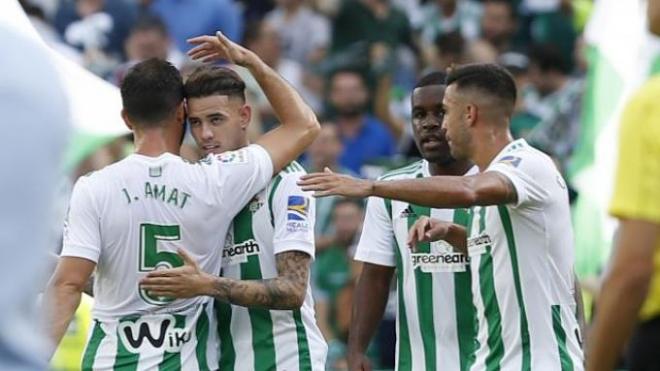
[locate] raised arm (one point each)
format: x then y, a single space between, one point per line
299 125
63 293
489 188
286 291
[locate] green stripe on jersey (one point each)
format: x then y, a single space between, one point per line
125 360
466 324
424 283
202 336
172 361
304 357
407 170
276 182
227 351
524 328
489 299
560 334
261 322
405 352
92 347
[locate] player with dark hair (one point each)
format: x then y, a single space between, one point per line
132 217
518 235
265 310
434 314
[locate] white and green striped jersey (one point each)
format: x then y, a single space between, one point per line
279 219
521 258
435 316
130 218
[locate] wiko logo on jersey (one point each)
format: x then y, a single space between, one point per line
297 208
239 253
141 335
442 258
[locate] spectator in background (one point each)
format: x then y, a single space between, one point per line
499 24
148 39
441 17
186 19
370 21
364 137
262 38
447 49
324 153
334 272
304 34
556 99
522 121
98 28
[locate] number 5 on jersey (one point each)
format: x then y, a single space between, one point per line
151 258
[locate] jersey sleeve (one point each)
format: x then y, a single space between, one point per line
82 234
637 182
376 244
243 173
526 172
293 213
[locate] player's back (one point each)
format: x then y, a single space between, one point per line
130 218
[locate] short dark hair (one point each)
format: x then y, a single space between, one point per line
548 57
488 78
450 43
150 22
431 78
151 92
205 81
350 71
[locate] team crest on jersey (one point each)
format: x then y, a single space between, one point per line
510 160
297 207
141 335
233 254
233 157
442 258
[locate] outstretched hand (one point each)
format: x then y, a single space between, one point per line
182 282
215 48
426 229
328 183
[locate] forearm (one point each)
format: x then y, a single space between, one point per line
60 303
287 104
444 192
619 303
369 303
275 293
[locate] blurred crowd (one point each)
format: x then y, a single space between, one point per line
355 62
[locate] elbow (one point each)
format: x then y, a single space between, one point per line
313 127
297 299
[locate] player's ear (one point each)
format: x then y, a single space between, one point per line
180 113
127 121
245 113
471 114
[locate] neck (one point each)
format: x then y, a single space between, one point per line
491 142
154 142
457 168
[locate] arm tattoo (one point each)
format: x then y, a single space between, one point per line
286 291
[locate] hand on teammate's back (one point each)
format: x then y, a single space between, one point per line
215 48
329 184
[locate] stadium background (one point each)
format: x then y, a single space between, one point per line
575 63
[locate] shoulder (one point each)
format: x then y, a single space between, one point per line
287 178
405 172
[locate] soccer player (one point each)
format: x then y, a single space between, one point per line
265 308
519 237
131 217
435 318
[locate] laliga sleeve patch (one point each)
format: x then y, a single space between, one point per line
233 157
510 160
297 207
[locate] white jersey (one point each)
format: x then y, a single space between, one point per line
130 218
521 258
435 317
280 218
